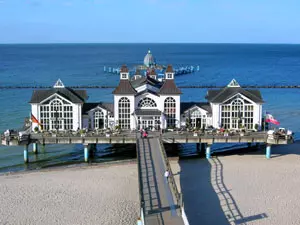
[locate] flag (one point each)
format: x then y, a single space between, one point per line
35 120
270 119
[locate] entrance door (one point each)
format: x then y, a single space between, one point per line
147 123
198 122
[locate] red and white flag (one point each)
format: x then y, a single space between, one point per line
270 119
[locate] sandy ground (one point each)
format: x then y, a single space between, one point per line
231 189
105 195
242 189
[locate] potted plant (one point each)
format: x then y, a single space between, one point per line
36 129
82 132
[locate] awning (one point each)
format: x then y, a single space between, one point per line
147 112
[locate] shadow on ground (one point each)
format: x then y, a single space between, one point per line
206 198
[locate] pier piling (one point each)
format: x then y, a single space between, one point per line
208 151
268 151
25 153
86 153
35 148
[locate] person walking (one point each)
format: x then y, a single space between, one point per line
167 173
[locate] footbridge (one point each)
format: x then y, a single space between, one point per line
161 203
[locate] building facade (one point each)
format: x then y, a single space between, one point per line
144 101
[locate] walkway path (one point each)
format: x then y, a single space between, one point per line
160 207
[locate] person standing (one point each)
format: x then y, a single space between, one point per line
167 173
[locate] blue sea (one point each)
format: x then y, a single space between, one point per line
82 64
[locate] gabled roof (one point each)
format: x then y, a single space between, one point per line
146 91
74 96
104 105
169 87
169 69
145 80
124 69
124 87
219 96
188 105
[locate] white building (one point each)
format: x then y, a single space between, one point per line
143 101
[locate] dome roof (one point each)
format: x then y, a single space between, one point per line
149 59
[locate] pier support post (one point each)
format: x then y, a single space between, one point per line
25 153
208 151
86 153
35 148
268 151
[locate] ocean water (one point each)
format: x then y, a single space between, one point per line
82 64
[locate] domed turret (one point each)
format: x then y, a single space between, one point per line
149 59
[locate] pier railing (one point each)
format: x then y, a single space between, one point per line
171 179
142 201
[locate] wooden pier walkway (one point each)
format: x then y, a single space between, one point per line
159 203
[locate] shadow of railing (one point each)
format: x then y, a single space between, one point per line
228 204
206 198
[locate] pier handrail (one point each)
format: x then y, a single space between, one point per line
142 201
171 179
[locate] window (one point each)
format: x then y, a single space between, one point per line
98 119
197 119
124 76
169 76
147 102
56 114
237 112
170 111
124 113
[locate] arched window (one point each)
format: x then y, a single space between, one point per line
147 102
124 113
56 114
237 111
196 119
170 111
98 119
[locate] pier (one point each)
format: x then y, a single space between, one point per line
127 137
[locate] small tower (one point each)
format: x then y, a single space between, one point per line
153 74
124 73
169 74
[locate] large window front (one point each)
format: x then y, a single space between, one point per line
170 111
124 113
236 114
147 102
99 119
56 115
197 119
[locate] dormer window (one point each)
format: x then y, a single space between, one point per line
169 76
124 76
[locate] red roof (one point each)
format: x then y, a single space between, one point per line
124 87
169 87
169 69
124 69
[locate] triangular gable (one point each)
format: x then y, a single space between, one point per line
192 108
97 107
233 83
53 96
238 95
59 84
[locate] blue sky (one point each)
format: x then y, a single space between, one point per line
179 21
